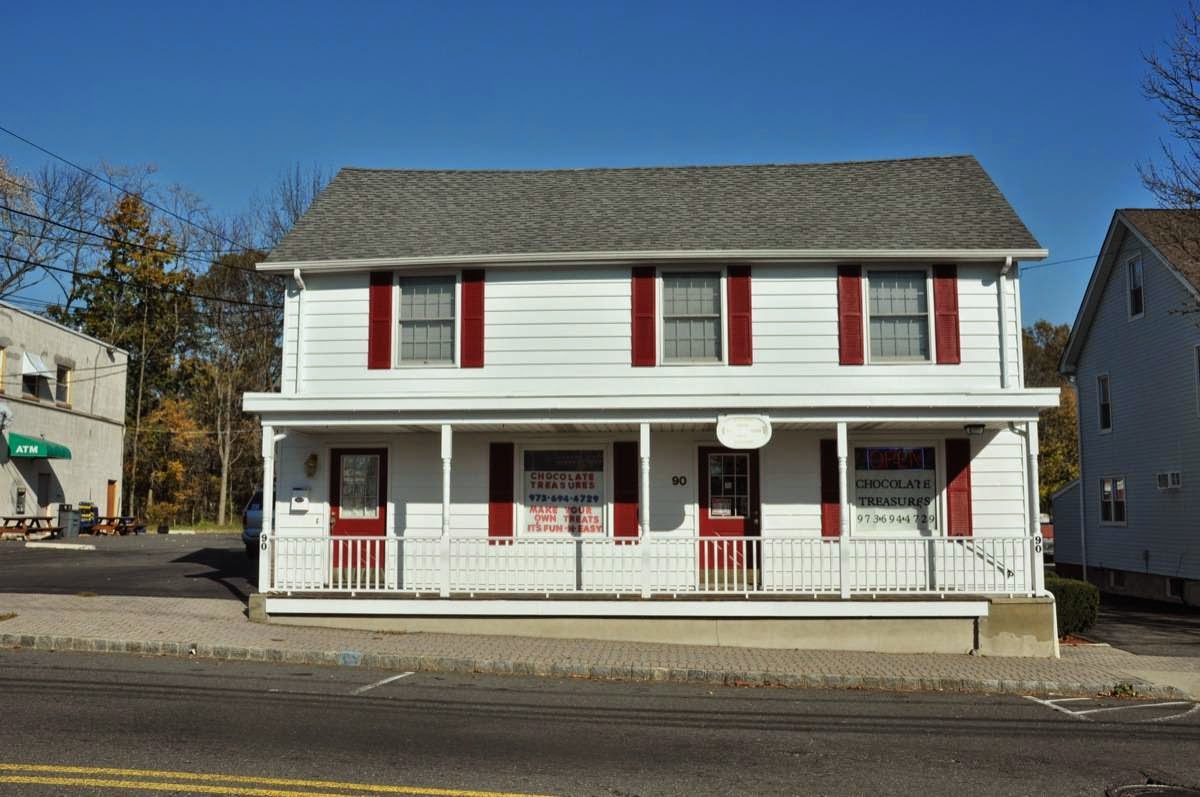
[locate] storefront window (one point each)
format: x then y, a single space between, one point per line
564 492
895 489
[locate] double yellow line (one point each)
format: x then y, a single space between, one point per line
213 783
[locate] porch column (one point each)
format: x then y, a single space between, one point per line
266 549
644 503
843 512
1038 576
447 454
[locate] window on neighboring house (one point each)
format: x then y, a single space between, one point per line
1137 292
427 320
1112 500
29 386
898 316
62 385
691 317
1104 402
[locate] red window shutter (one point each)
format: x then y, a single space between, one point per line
625 489
945 314
831 504
741 336
500 490
958 488
472 319
850 315
379 320
645 316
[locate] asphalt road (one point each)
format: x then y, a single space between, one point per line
1148 628
186 566
188 726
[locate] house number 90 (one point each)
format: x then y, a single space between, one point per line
679 481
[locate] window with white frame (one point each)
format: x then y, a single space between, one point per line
427 320
1112 500
62 385
1104 402
898 316
1137 291
691 317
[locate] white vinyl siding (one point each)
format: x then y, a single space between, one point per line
558 331
427 319
898 315
691 310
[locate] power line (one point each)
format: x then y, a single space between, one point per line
160 289
1058 262
81 231
125 191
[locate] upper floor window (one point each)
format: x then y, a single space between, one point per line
62 385
898 316
1137 292
1104 402
691 319
1112 500
427 319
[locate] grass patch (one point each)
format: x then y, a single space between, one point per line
7 616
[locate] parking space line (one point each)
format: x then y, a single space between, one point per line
1054 705
369 687
1136 705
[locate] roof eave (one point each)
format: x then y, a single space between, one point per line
634 256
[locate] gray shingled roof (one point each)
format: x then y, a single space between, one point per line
922 203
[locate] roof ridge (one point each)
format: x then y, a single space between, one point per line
685 167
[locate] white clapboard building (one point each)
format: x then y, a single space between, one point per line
775 405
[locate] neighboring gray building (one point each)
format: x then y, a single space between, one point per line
62 416
1132 525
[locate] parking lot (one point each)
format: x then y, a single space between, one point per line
187 566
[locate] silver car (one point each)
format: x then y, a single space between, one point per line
252 524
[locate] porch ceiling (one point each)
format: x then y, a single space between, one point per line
632 428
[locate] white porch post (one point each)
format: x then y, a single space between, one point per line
1038 576
644 503
843 512
266 548
447 454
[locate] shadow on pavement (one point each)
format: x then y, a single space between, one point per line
229 568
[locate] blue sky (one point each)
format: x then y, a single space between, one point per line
223 96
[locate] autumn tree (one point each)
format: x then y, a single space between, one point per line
176 472
136 298
1058 450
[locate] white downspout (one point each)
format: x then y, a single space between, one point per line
1000 299
301 287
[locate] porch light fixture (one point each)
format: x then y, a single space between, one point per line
310 466
973 429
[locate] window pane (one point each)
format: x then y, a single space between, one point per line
691 294
899 318
897 292
359 486
426 298
691 317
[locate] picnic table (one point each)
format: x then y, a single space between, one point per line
109 525
28 526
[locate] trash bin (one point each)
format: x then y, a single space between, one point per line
68 519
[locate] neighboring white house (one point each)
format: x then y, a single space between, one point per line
730 393
1132 525
62 416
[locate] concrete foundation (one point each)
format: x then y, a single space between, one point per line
1013 627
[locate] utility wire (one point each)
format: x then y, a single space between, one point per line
159 288
125 191
81 231
1057 262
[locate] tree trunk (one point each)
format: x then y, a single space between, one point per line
224 445
137 418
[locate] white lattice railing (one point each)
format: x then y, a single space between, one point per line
733 566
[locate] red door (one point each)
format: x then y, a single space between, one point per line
729 515
358 506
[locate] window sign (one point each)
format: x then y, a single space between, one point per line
564 492
359 489
895 489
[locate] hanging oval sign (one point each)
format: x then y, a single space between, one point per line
743 431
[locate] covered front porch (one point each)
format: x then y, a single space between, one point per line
651 516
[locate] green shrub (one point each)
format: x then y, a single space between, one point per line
1076 602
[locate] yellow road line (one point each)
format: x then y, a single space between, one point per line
197 778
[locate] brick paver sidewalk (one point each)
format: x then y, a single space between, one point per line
216 628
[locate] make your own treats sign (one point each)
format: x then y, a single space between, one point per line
564 492
895 489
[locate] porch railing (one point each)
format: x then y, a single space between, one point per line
659 566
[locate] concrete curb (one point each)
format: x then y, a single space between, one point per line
567 669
